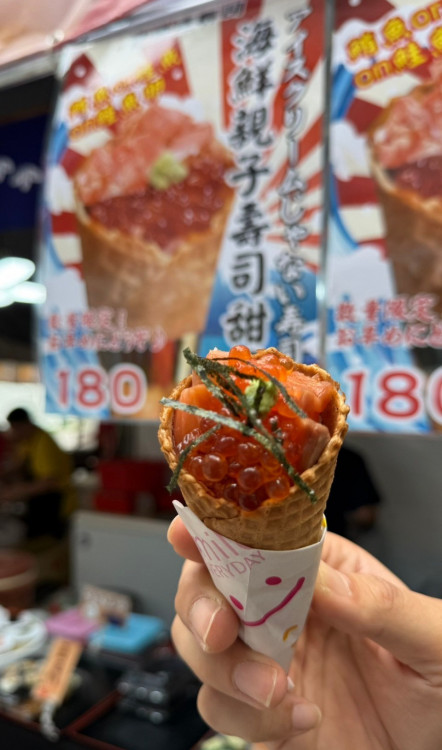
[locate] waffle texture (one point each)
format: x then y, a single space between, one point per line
158 290
290 523
413 223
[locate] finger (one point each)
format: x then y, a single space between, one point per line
181 540
204 610
239 672
294 716
403 622
344 555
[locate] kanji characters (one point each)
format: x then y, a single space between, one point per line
247 272
249 127
253 169
364 46
395 30
291 346
130 102
345 313
252 225
421 308
372 310
252 80
246 323
291 322
345 338
256 39
107 116
101 97
436 39
79 108
243 83
410 56
396 308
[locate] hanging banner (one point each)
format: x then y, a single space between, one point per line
384 263
182 203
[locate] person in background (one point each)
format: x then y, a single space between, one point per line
352 506
39 476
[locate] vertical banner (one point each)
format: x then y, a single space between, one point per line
182 203
384 265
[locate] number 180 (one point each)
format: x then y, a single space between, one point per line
123 389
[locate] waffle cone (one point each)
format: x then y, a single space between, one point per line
413 223
277 524
158 290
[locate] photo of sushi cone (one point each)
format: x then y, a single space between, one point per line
152 205
405 144
263 483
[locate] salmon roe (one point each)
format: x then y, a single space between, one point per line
237 467
196 199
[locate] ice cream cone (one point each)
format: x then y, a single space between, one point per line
407 136
413 233
158 290
152 206
291 523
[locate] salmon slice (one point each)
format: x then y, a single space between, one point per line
311 394
196 395
122 165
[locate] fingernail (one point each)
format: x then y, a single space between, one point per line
201 618
335 581
290 685
256 680
305 716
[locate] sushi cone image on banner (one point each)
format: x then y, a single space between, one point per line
253 443
406 162
152 207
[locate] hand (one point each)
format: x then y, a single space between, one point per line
369 660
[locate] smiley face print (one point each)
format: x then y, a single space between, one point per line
279 605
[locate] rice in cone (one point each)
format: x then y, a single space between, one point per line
290 522
152 208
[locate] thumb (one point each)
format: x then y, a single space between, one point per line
403 622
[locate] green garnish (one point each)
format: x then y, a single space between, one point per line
261 396
206 367
167 171
250 406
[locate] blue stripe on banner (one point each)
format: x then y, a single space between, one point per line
343 93
58 143
344 241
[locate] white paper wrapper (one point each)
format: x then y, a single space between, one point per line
270 591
